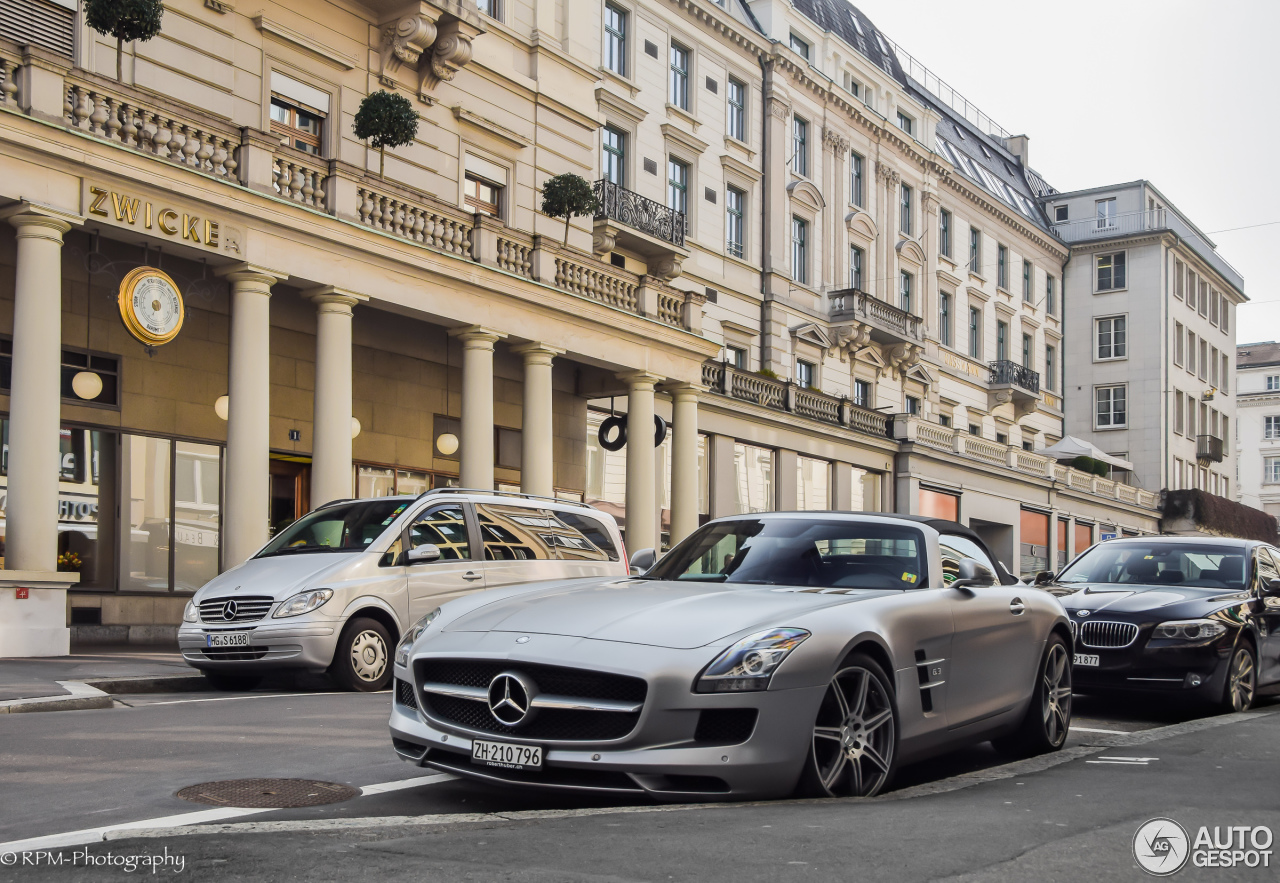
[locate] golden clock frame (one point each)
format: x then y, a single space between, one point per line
125 302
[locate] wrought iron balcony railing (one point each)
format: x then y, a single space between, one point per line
1010 373
617 203
1209 447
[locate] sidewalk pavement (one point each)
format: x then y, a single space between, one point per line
106 669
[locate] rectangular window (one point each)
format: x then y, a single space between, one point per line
1273 382
1111 336
1050 296
799 146
855 179
1213 366
1226 320
1028 350
1179 409
804 374
1177 279
1204 298
1059 213
1026 281
1110 411
800 47
904 289
1002 267
912 405
1110 271
483 196
737 99
107 367
1213 307
862 393
613 159
904 216
1106 213
944 233
679 85
944 318
1272 430
736 356
975 333
1226 374
296 124
944 420
491 8
813 484
1204 358
1271 470
677 185
734 208
615 39
800 250
753 473
1050 366
856 257
975 430
1002 341
905 123
1002 438
1179 342
975 243
1191 353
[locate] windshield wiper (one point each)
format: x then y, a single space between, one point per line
287 550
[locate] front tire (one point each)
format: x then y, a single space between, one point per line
362 660
1242 680
853 749
1048 718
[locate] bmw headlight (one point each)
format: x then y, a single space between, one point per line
415 631
191 614
1189 631
749 664
303 602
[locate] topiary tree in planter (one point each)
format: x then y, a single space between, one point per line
568 196
386 119
124 20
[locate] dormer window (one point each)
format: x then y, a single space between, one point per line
905 123
800 47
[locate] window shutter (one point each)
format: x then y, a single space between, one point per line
42 22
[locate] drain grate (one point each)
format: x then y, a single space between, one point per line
268 793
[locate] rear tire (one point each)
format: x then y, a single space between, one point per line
1048 718
853 749
221 680
362 659
1242 680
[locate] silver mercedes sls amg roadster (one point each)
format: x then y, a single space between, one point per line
764 655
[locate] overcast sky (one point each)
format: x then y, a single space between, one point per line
1180 92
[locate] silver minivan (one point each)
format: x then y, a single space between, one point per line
334 591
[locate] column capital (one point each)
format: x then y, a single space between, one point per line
251 274
640 379
477 336
680 391
337 300
41 221
537 353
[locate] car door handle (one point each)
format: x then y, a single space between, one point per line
1016 607
471 575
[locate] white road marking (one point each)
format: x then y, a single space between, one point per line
1125 761
199 817
1076 729
253 696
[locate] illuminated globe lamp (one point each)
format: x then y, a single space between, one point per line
221 406
355 427
447 444
87 385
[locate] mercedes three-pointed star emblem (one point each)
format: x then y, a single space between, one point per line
511 698
229 611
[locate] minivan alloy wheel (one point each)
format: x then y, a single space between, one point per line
368 655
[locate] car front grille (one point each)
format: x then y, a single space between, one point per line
404 694
234 654
550 724
249 609
1106 635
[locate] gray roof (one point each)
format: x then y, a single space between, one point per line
1257 355
837 16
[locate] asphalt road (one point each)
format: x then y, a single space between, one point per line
74 770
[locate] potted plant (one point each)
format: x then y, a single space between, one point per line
124 20
568 196
386 119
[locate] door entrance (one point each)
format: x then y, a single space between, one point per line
290 489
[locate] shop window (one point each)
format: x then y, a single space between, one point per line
106 366
813 484
1064 531
936 504
754 478
1034 556
506 448
483 196
296 124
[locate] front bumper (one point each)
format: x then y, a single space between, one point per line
272 645
660 757
1192 671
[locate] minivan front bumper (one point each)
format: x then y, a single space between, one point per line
302 645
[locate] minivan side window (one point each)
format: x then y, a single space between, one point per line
955 549
513 533
445 527
583 537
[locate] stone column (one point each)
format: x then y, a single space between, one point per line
31 542
246 509
886 269
331 423
684 462
476 451
642 501
537 454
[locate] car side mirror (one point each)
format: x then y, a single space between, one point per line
642 560
973 576
1044 577
424 553
1272 588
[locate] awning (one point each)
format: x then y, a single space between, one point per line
1071 447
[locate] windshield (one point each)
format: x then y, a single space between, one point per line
345 527
1161 563
789 552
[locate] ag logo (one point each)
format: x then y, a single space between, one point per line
1161 847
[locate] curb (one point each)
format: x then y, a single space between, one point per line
80 696
151 684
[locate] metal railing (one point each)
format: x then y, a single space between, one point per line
782 395
1209 447
940 89
617 203
1013 374
1149 220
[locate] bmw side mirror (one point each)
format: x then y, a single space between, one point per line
424 553
642 560
1044 577
973 576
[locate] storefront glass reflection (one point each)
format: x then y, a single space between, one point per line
145 467
197 514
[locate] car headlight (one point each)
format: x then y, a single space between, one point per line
749 664
1189 631
191 613
303 602
415 631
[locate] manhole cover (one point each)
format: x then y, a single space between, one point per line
268 793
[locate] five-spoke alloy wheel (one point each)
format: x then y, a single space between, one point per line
855 736
1242 680
1048 719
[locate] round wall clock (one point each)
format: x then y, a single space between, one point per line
151 306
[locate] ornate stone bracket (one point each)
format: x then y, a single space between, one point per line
903 357
432 38
887 174
838 144
851 338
